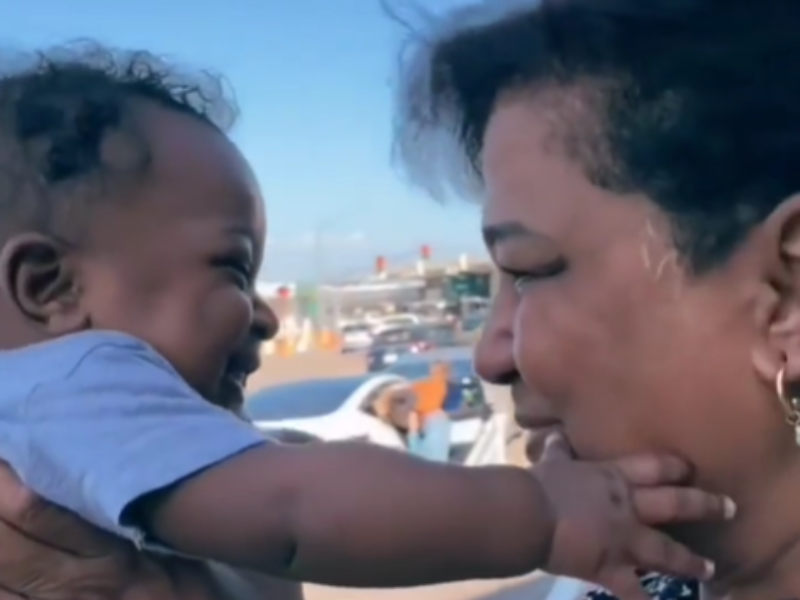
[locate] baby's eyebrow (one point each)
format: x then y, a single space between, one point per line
240 230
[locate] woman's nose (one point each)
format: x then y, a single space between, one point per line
494 357
494 360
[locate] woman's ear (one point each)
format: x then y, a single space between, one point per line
778 305
36 275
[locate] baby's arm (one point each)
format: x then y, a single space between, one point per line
357 515
124 442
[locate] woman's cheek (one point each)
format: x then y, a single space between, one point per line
541 347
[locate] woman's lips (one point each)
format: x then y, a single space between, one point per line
537 430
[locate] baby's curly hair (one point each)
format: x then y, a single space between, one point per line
59 108
695 103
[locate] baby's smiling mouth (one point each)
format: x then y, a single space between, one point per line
234 378
237 377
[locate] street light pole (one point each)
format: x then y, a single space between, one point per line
318 247
322 227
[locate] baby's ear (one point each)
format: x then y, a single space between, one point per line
36 274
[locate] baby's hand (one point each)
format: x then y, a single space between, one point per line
605 512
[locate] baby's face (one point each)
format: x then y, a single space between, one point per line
173 259
176 265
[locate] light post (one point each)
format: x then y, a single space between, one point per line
320 264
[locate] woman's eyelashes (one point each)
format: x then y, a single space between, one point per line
524 278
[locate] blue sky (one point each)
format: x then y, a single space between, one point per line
312 79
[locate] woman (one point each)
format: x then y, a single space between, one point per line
638 162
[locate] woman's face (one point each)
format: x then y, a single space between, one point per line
598 327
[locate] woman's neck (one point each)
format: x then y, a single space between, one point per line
758 554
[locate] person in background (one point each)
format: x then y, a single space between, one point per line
429 430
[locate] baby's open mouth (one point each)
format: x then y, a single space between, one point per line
240 366
237 377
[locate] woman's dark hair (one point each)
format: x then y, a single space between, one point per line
58 108
695 103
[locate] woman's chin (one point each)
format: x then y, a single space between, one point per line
537 438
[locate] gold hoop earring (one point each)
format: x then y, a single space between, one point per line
790 404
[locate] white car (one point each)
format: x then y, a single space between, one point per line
339 409
356 337
393 321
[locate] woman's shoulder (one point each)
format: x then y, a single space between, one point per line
660 587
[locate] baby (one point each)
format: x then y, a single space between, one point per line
131 235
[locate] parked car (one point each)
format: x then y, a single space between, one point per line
331 409
356 337
389 345
437 334
394 321
474 322
290 436
343 409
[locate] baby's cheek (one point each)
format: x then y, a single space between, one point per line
230 317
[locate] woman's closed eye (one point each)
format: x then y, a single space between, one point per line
524 278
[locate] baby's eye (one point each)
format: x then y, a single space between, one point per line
237 269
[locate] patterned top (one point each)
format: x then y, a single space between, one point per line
660 587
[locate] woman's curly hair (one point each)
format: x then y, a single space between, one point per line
59 106
695 103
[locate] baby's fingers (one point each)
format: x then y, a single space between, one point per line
655 551
652 469
677 504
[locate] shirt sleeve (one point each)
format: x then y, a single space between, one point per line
120 425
